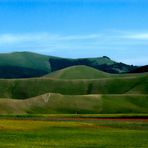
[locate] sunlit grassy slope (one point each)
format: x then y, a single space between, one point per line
78 72
26 88
81 104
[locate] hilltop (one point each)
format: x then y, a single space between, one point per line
28 64
23 65
78 72
101 63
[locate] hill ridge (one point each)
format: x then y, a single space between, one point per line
78 72
50 103
45 63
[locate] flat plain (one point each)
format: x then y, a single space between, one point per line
74 132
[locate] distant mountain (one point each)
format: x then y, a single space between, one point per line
28 64
78 72
23 65
102 63
140 69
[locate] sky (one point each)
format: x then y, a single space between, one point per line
77 28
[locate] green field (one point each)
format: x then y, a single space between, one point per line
74 134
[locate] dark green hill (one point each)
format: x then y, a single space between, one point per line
25 59
23 65
20 72
78 72
27 64
101 63
141 69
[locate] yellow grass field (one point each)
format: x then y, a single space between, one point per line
112 133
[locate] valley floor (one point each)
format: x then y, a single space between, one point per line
77 133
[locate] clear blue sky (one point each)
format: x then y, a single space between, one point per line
77 28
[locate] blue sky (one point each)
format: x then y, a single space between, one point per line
77 28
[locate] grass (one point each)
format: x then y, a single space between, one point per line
26 60
78 72
77 104
125 94
73 134
86 72
27 88
66 110
72 116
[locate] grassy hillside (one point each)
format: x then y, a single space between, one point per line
26 60
27 88
74 90
113 95
79 104
78 72
23 65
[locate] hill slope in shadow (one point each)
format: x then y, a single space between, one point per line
141 69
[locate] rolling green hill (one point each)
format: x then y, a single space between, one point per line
73 90
23 65
27 88
25 59
68 104
113 95
78 72
27 64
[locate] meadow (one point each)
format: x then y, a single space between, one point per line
104 133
